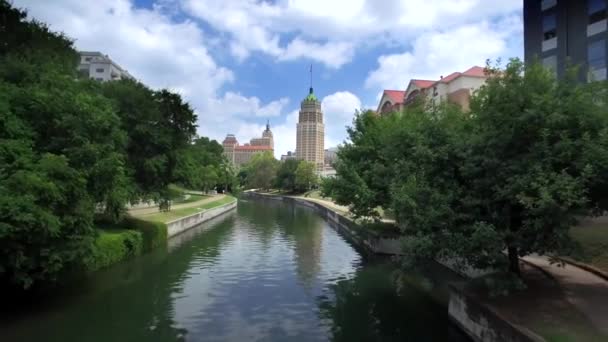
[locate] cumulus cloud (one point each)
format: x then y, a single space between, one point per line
334 28
440 53
338 110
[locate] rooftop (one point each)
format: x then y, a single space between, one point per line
396 96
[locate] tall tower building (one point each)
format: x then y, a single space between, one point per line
311 132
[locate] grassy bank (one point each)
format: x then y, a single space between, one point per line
179 213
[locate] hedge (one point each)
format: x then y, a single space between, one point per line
113 246
154 233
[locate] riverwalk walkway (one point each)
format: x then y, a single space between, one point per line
585 290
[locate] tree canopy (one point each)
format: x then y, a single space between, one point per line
513 174
72 147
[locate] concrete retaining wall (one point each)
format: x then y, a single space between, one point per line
177 226
482 323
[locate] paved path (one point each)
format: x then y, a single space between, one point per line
328 204
153 210
585 290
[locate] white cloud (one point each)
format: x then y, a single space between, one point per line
329 31
438 54
238 105
338 110
333 54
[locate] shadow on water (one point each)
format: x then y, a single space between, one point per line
270 271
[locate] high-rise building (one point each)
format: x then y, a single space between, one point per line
100 67
310 138
242 154
560 33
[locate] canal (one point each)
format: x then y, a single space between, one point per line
269 271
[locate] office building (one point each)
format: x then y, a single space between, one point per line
310 138
559 33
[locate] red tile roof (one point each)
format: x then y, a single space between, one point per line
252 148
449 78
476 71
423 84
396 96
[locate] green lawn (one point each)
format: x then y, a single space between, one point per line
179 213
593 239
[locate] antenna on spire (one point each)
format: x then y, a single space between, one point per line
311 78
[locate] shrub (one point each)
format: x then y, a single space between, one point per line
111 247
154 233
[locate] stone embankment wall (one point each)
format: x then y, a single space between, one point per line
482 323
177 226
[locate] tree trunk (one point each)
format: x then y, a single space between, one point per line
513 260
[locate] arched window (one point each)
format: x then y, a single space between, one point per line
412 96
387 107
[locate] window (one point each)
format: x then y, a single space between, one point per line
99 70
546 4
99 79
596 10
88 59
549 26
596 55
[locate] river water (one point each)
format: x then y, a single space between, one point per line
269 271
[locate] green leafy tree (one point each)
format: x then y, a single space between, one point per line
286 175
539 152
305 176
261 170
60 154
512 175
363 177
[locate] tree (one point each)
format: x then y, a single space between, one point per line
60 154
261 170
305 176
363 177
286 175
538 150
512 175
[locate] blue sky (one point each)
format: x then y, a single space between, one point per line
242 62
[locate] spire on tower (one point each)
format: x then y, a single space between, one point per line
311 78
268 124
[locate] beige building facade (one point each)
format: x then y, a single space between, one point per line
240 155
456 88
310 137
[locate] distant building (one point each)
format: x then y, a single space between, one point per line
289 155
310 136
331 155
100 67
455 88
562 32
242 154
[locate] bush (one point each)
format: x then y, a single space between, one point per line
111 247
154 233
